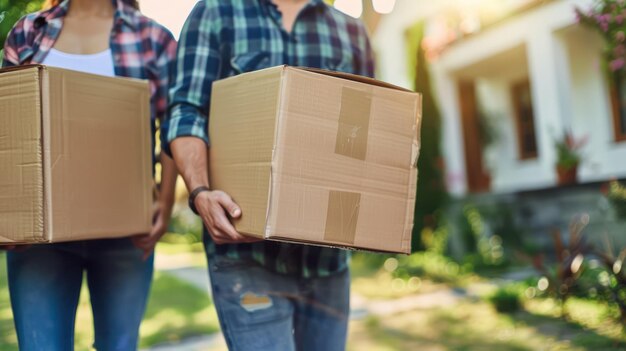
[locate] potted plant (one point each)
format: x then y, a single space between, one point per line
568 158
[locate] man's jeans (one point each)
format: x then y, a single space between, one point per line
45 283
261 310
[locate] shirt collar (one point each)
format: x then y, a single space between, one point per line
312 3
123 12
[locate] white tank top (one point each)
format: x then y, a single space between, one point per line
100 63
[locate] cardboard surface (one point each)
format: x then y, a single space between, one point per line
94 163
21 167
317 157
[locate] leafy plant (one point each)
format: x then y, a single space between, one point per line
487 129
613 280
486 230
568 150
560 279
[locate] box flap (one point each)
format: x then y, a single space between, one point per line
352 77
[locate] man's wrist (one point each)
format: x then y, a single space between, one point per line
193 194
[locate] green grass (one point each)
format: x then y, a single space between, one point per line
475 325
8 340
175 310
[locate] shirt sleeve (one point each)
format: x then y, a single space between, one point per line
367 67
12 44
166 54
196 67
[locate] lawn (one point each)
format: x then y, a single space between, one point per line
474 325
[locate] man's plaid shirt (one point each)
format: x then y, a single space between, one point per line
141 48
227 37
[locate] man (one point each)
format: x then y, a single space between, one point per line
268 295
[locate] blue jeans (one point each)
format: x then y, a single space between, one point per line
45 283
261 310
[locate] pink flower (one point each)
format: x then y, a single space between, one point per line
619 50
620 36
619 19
616 64
604 26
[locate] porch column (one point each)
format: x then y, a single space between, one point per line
549 76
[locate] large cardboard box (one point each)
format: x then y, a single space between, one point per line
317 157
75 158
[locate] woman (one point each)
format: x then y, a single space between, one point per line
107 37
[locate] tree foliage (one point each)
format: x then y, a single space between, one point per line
431 189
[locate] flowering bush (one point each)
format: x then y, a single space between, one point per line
609 18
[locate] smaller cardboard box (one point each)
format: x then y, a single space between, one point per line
317 157
75 158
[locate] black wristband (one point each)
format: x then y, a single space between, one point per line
193 195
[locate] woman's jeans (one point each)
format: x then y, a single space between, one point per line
45 283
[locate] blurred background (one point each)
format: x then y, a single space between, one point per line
520 223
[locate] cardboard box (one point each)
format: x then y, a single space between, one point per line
317 157
75 158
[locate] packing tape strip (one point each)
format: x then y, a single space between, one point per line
342 217
354 120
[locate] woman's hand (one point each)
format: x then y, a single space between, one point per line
161 215
163 208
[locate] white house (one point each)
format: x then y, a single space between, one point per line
533 70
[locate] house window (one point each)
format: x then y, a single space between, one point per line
618 100
524 120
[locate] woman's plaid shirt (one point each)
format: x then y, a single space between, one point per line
141 48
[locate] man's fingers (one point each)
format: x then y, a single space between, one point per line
229 205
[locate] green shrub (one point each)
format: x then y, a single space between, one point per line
506 300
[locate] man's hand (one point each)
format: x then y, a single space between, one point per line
216 208
160 221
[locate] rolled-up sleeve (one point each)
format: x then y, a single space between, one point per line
196 67
14 40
